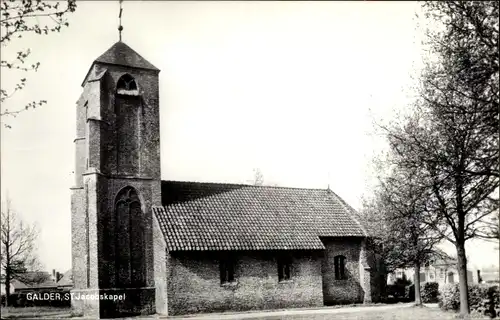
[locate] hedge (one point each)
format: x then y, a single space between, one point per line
483 299
430 292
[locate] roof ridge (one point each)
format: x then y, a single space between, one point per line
245 185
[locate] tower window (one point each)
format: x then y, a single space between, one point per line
339 263
127 85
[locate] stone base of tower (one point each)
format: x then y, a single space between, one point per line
113 302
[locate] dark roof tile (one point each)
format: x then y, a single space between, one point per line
201 216
122 54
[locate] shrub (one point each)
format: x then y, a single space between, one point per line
477 294
483 299
493 294
396 291
410 292
430 292
399 290
449 298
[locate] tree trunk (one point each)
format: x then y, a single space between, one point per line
7 288
416 277
462 278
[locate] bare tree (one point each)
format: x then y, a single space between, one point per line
258 177
16 19
18 245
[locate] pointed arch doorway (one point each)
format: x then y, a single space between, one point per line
129 240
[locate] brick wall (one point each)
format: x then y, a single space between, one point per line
160 269
147 106
78 238
96 139
98 181
342 291
194 283
107 223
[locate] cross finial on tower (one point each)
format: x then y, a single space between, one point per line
120 27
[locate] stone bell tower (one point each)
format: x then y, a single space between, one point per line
117 180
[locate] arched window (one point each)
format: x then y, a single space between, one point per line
339 263
129 239
127 85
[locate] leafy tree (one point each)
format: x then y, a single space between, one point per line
451 136
395 214
18 246
16 19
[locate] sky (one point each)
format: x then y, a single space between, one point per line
291 88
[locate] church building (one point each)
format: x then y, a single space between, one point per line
172 247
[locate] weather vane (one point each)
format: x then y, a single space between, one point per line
120 27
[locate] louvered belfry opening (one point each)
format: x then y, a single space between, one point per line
129 240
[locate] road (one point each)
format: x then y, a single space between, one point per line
295 314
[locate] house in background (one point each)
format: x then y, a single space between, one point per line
66 281
441 269
48 284
32 281
32 278
56 275
15 285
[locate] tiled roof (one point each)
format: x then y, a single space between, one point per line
212 216
18 284
123 55
67 279
33 277
441 258
46 284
